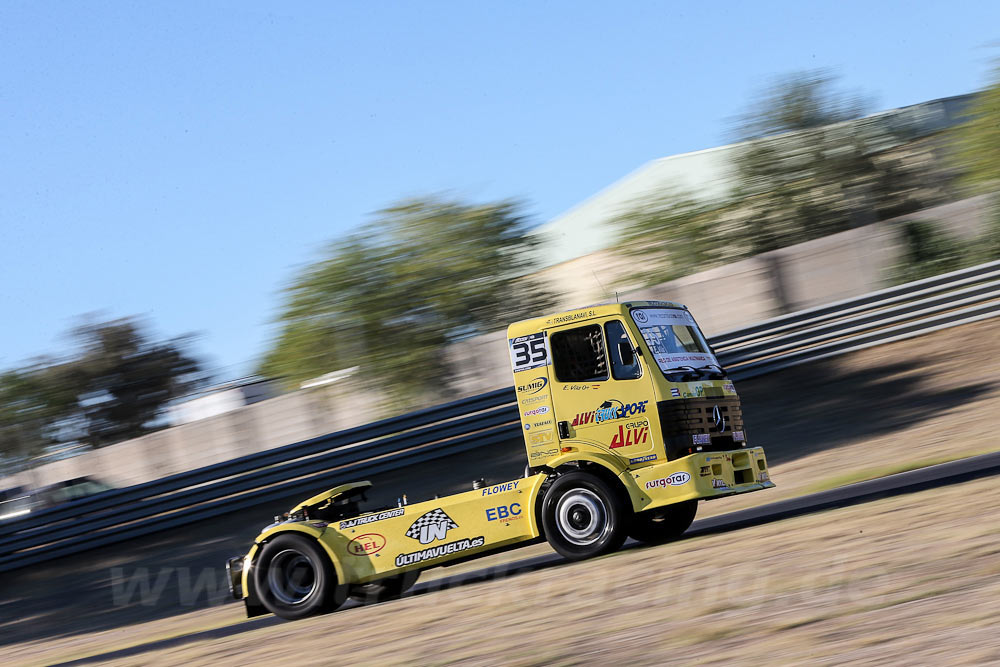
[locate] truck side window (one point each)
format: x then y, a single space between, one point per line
578 355
615 331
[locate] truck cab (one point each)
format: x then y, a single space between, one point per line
633 387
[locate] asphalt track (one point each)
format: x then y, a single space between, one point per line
944 474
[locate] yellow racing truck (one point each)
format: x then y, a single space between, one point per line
628 421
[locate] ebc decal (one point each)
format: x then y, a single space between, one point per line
510 512
528 352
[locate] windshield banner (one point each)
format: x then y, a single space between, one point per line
668 361
657 317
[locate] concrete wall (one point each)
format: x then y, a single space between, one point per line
809 274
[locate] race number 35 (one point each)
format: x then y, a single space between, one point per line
527 352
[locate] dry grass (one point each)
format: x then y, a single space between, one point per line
907 580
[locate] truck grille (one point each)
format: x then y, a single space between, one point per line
682 418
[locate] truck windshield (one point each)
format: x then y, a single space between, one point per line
676 342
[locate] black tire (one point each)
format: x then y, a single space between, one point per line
664 523
389 588
584 516
294 578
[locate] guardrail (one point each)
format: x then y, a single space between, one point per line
809 335
876 318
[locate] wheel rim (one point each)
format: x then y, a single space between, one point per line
583 517
291 577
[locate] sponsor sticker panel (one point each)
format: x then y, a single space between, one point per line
632 433
365 545
658 317
676 479
500 488
439 551
542 438
372 518
533 386
610 410
529 352
431 526
504 513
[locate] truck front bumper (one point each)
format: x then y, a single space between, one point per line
703 476
234 575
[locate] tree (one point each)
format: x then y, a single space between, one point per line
796 167
805 166
425 273
977 141
31 402
112 388
798 101
672 234
125 379
809 166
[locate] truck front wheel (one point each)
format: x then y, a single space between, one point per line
294 578
583 516
664 523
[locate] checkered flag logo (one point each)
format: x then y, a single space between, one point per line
433 525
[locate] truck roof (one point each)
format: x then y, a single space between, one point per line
585 313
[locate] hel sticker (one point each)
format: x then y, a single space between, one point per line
362 545
528 352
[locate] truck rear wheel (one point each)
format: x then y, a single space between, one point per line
664 523
583 516
294 578
389 588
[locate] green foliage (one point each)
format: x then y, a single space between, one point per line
804 172
977 141
929 251
125 379
672 234
30 401
112 388
424 274
986 248
801 172
798 101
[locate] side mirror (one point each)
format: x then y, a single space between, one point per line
626 353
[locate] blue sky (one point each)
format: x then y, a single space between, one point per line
182 160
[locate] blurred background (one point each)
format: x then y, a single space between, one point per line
819 193
232 228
